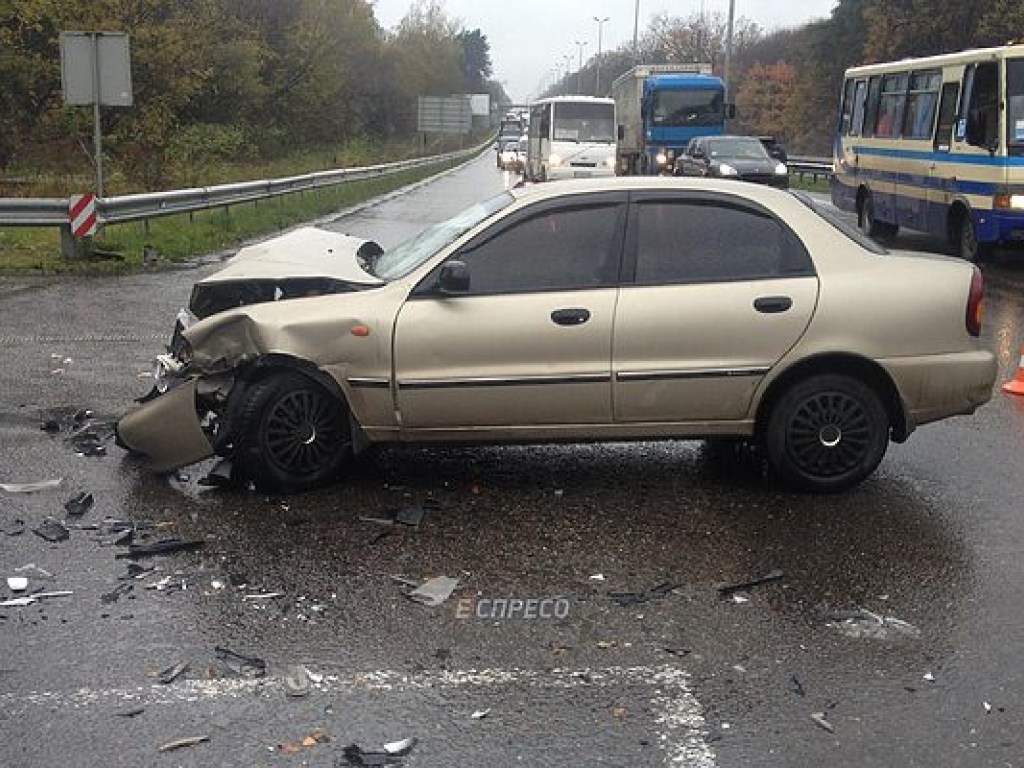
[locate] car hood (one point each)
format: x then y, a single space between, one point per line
303 252
304 262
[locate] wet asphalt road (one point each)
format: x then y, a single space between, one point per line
687 678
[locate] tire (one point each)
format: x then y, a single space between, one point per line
826 433
291 435
966 244
869 225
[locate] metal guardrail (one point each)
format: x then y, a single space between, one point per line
48 212
810 166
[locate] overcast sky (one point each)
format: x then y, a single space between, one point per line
530 37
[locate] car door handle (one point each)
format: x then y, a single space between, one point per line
772 304
575 316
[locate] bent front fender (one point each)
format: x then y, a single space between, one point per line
166 429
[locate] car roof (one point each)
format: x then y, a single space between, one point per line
529 192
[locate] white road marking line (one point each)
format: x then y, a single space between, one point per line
677 713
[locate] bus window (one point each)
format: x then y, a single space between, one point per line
920 116
982 112
890 109
947 116
857 120
847 108
871 106
1015 106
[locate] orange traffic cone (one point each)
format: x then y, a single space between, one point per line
1015 386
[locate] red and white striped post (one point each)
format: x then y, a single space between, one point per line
82 214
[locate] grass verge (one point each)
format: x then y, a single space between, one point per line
120 247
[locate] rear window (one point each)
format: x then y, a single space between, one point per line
833 217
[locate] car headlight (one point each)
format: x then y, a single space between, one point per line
554 160
781 169
165 368
661 158
727 170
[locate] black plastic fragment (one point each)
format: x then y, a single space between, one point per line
52 530
357 756
14 527
633 598
247 666
218 477
162 547
79 504
773 575
796 686
411 516
115 594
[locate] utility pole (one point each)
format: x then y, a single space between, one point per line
728 51
600 25
579 71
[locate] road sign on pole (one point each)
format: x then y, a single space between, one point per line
95 69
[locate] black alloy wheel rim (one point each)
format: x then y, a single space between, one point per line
303 433
829 434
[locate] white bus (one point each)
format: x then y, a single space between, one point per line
571 137
936 144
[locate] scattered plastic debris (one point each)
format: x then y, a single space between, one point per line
480 714
35 571
247 666
633 598
296 681
220 476
129 713
290 748
740 598
597 577
171 674
18 602
864 623
821 722
163 547
52 530
434 591
42 485
263 596
728 589
14 527
988 707
929 677
115 594
188 741
357 756
79 504
796 686
17 583
411 516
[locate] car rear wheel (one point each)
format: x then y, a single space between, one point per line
826 433
292 434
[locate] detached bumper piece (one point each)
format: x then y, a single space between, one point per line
166 429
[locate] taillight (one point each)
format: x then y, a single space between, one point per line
974 303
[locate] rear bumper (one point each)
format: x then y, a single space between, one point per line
166 429
934 387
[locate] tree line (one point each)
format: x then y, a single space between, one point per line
236 80
230 79
787 82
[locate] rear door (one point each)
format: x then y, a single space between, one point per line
721 290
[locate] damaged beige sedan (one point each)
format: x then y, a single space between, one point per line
614 309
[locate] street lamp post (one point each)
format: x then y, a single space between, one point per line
600 25
579 71
728 50
636 29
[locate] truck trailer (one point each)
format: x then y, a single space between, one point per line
660 107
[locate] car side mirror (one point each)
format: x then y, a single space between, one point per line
730 111
453 279
621 132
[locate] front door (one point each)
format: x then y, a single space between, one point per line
529 343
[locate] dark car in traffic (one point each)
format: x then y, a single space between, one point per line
732 157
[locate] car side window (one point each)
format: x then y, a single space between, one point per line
555 248
694 241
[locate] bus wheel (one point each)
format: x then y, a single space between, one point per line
869 225
966 244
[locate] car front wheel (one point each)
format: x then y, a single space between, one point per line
292 434
826 433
